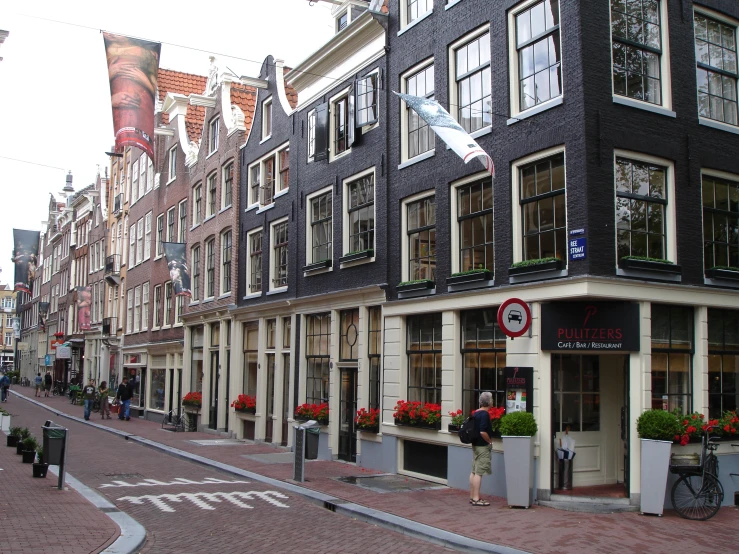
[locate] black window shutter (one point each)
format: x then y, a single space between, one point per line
366 92
321 143
352 119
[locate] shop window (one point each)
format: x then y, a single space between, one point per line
375 354
251 356
136 379
720 222
483 351
271 329
286 332
424 358
349 335
474 207
723 362
196 376
157 383
318 352
576 392
672 357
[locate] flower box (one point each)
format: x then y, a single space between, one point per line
649 265
245 404
323 264
723 274
432 426
549 265
375 429
250 411
354 256
453 428
412 286
308 412
323 422
469 277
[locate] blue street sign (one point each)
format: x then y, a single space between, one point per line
47 360
577 248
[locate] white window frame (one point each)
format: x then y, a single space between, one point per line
247 279
132 246
137 309
145 306
404 158
272 225
135 181
275 154
452 79
404 269
213 131
139 241
348 13
670 209
129 311
206 280
345 214
514 92
311 124
267 119
182 229
171 237
224 172
172 164
144 184
223 273
147 236
167 302
179 305
196 273
197 207
404 23
707 172
159 252
345 93
665 72
211 207
454 223
158 291
309 227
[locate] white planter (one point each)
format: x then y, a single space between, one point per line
518 454
655 464
4 422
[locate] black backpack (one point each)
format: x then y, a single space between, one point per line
468 432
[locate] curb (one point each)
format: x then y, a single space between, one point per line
338 505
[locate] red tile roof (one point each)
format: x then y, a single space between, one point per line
245 98
178 82
290 92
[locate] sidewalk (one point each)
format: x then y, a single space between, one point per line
37 517
538 529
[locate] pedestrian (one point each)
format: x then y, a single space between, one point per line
124 394
481 449
5 386
104 404
38 380
88 394
47 384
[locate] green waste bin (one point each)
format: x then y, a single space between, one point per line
54 439
311 443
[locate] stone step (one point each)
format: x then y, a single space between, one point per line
589 504
588 499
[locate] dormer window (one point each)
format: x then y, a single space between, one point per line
342 21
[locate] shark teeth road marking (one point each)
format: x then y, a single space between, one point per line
202 499
175 481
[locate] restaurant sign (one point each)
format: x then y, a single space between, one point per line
604 326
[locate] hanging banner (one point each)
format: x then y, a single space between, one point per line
25 254
83 299
132 69
448 130
43 310
178 270
17 327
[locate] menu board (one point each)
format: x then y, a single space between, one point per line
519 389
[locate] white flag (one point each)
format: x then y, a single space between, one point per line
448 129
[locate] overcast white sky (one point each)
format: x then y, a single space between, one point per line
54 92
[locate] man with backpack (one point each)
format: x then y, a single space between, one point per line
47 384
5 386
482 446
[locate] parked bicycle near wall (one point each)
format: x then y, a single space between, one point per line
698 493
58 389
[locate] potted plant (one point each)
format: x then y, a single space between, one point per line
423 415
518 430
495 416
657 429
4 420
416 285
729 425
691 427
24 434
537 265
317 412
368 420
193 400
40 467
458 418
481 273
644 263
14 436
723 272
29 449
245 404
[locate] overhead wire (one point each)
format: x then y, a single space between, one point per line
32 163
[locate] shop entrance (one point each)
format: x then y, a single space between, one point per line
590 407
347 411
214 373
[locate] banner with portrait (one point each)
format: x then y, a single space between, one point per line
179 273
43 311
25 258
83 299
133 65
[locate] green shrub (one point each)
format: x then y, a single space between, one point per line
518 424
25 433
29 443
40 453
646 259
15 431
659 425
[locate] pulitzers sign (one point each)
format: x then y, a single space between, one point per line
612 326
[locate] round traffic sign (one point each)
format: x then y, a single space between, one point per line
514 317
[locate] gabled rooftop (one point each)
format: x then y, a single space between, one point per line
178 82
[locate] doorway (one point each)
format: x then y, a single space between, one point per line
270 423
214 366
347 411
590 410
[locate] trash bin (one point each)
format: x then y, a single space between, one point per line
565 474
54 438
311 443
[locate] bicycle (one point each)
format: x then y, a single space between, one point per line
74 394
698 493
96 403
174 422
58 389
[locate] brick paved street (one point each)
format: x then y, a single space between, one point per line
215 513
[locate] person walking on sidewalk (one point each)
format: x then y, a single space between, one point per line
481 449
47 384
38 380
5 386
104 404
88 394
124 394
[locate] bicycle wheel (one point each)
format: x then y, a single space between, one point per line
96 406
697 497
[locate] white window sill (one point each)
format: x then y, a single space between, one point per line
172 180
481 132
415 22
224 296
225 209
265 208
332 158
214 152
155 328
209 218
718 125
251 207
265 139
544 106
283 192
346 265
177 325
165 327
277 291
425 156
253 295
450 4
317 271
207 300
192 228
624 101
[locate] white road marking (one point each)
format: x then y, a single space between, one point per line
202 499
175 481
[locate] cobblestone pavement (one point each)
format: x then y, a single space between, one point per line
186 507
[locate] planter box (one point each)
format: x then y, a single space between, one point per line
356 256
518 455
323 264
646 265
29 456
4 422
375 429
431 426
322 422
655 464
12 441
39 470
453 428
556 265
724 274
249 412
469 278
19 448
411 287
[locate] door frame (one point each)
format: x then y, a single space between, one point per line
353 372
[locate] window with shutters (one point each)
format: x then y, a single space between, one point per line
147 236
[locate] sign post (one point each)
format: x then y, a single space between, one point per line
514 317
